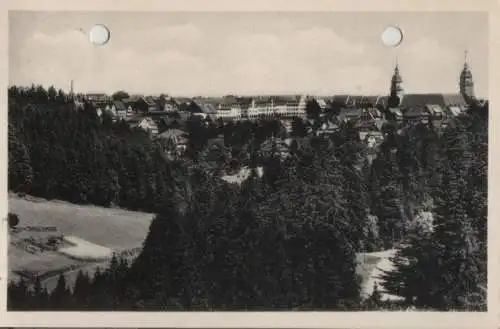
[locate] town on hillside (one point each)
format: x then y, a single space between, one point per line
164 117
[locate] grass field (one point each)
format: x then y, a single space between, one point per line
91 226
84 249
42 262
112 228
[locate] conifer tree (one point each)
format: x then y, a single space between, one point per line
20 171
38 295
456 245
60 298
81 290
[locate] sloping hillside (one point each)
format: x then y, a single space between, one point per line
116 229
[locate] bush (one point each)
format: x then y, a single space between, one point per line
13 220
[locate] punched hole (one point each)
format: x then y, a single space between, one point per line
99 35
392 36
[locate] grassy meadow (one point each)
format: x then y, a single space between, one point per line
115 229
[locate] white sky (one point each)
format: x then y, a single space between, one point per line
192 54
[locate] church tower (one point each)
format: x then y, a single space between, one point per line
397 90
466 81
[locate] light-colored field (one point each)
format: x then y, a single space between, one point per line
95 232
40 262
112 228
83 249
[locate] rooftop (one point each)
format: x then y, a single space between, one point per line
172 134
443 100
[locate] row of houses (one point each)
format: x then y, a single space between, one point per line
164 117
226 108
414 108
435 109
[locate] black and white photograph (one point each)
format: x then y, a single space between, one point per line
247 161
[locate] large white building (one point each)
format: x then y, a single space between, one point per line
277 106
233 108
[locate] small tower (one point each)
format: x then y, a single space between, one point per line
466 81
397 90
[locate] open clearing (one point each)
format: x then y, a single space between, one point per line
382 262
96 232
40 262
112 228
366 263
85 250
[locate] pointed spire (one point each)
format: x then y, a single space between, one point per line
466 72
466 60
466 81
397 77
397 90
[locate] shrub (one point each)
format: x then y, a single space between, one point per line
13 220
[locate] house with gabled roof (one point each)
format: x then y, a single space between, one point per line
145 123
203 108
130 104
149 125
173 141
434 114
350 114
119 109
370 114
171 122
146 105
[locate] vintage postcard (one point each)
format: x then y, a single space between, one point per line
266 167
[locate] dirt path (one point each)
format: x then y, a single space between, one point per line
384 264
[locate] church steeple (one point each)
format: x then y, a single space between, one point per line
466 81
397 89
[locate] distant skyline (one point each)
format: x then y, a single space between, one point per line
243 53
